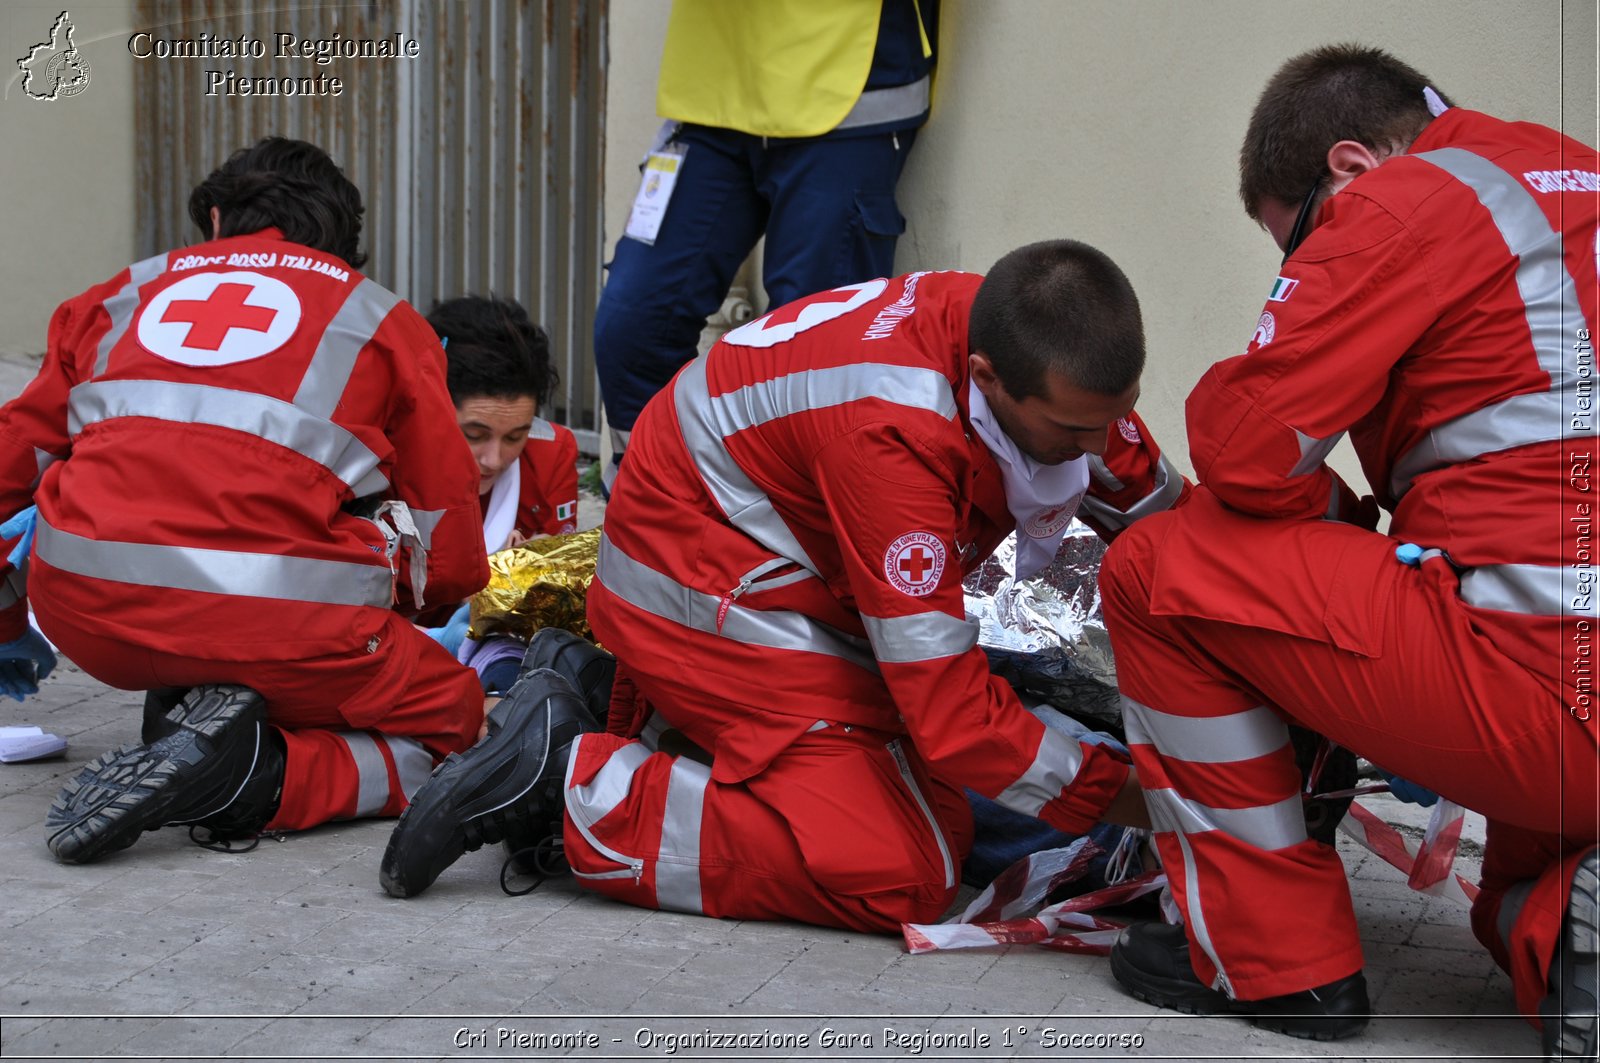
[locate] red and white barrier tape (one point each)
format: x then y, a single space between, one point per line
995 916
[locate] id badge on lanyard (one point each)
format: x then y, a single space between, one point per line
661 168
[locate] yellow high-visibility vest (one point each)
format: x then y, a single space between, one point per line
776 68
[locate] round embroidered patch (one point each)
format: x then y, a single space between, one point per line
1044 525
914 562
1266 328
211 319
1129 430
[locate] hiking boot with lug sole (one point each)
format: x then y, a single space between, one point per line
206 759
1151 961
1569 1012
583 664
510 782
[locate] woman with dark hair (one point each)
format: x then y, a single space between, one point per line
500 380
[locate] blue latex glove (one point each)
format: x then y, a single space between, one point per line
21 524
454 631
23 663
1409 792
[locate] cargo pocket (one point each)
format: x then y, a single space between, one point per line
869 246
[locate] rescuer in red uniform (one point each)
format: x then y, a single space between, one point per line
245 461
1439 311
780 580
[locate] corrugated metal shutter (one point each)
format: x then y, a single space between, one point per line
479 161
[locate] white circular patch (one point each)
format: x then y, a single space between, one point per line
1046 524
1266 328
1129 430
786 322
914 562
212 319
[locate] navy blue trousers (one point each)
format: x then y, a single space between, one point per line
828 210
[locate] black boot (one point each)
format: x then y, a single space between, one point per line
157 704
1568 1013
583 664
212 755
1151 960
509 784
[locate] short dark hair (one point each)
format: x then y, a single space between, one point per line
1060 306
493 348
1333 93
285 184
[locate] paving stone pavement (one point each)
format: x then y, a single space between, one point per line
293 951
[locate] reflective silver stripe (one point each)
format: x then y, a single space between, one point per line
707 423
232 572
899 755
1510 908
1169 485
1053 769
314 438
14 587
1313 452
426 520
541 429
1206 739
122 305
44 459
644 588
678 865
372 773
895 104
1102 473
1533 590
591 802
747 507
351 329
1519 421
1554 314
923 637
1266 827
412 762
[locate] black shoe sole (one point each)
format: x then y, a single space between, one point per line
1193 999
121 794
433 831
1570 1012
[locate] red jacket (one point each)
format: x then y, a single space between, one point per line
195 439
811 491
1441 313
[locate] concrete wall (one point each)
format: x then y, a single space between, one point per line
66 168
1119 124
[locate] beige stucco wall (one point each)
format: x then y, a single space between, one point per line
1119 123
66 168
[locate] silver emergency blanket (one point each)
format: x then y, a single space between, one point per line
1045 634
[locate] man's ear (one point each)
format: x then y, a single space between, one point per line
983 373
1349 159
216 223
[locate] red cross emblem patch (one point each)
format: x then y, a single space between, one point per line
212 319
914 562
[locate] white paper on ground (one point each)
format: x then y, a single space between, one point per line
29 743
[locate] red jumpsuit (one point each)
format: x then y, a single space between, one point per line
1440 312
194 439
781 579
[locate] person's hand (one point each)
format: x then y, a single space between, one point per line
1409 792
454 631
21 524
23 662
